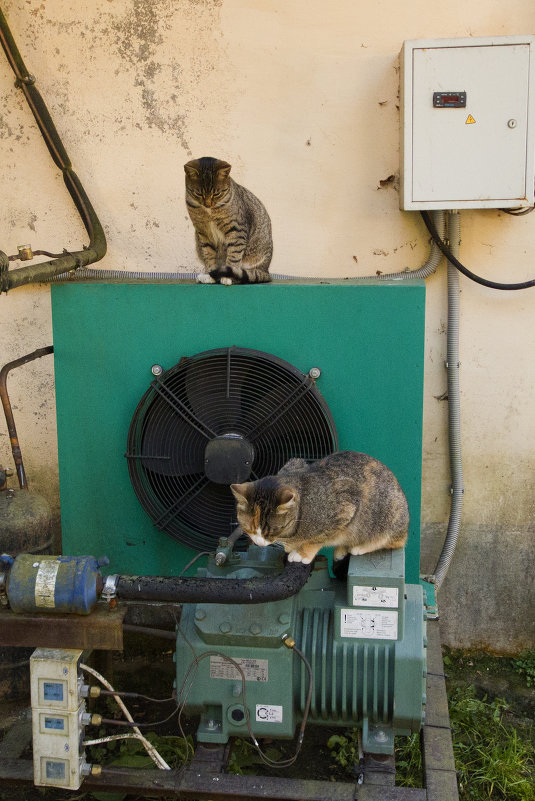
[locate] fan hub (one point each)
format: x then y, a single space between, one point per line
228 459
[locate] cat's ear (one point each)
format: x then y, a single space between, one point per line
191 169
241 492
286 501
223 169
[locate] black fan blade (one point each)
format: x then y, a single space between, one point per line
219 398
170 443
213 390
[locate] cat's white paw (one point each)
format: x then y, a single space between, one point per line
359 551
204 278
226 281
295 556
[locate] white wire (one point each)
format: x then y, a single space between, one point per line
110 738
153 753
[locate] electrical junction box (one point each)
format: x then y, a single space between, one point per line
375 594
58 718
467 124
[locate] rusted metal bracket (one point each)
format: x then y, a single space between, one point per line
437 747
101 630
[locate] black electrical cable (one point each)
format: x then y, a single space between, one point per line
462 269
519 212
130 724
123 694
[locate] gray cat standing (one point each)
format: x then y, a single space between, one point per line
348 500
232 227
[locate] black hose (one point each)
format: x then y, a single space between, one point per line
462 269
96 249
173 589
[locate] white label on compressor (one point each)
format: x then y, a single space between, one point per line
386 597
268 714
45 583
369 624
253 669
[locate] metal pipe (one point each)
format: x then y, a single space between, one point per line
97 239
430 266
165 633
173 589
8 411
454 405
427 269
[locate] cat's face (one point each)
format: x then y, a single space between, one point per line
207 181
267 514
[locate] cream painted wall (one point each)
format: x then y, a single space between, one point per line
301 97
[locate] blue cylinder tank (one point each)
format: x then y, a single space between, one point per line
60 584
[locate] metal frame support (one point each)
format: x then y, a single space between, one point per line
205 777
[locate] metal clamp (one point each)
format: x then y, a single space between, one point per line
109 590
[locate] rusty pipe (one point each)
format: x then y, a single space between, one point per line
8 411
67 261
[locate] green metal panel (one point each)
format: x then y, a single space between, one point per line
367 339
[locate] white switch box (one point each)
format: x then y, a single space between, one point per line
467 123
54 679
57 718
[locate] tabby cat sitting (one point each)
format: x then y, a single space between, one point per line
232 227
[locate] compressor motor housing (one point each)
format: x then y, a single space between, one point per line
364 636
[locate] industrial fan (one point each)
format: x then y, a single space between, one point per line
222 416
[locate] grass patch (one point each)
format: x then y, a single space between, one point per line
494 756
524 665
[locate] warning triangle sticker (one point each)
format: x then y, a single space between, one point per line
469 120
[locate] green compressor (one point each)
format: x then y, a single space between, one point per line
361 640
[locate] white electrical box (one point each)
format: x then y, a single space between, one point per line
467 123
58 718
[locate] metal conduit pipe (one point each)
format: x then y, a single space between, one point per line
97 239
454 406
427 269
175 589
8 411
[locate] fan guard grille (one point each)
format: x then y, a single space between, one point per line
251 409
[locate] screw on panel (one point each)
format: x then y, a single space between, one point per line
314 372
156 369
